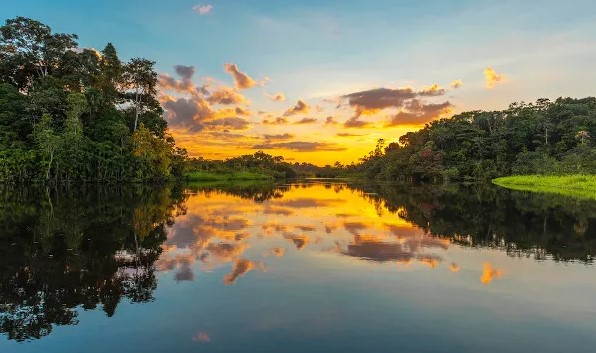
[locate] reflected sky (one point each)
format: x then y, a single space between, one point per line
321 220
330 267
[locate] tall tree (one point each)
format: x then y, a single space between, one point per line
29 51
47 142
112 70
141 79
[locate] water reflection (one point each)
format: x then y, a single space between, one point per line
541 226
63 251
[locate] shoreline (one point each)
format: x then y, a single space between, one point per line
579 186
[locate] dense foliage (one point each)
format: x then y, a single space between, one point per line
71 114
254 166
541 138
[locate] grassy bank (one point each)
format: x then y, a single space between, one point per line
225 176
583 186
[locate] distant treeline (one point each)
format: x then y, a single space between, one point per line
262 164
68 114
536 138
541 138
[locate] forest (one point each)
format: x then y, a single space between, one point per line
544 137
70 114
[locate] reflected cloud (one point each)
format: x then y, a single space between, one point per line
241 267
222 228
307 202
300 241
379 252
201 337
489 273
277 252
226 252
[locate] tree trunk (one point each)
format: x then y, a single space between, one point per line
136 108
50 166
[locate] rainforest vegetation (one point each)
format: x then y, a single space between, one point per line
527 138
71 114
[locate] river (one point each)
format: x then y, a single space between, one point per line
309 266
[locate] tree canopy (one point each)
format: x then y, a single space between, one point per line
527 138
71 114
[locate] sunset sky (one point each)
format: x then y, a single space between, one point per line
321 81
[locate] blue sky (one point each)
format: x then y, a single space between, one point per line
320 51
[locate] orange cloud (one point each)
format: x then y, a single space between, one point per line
457 83
433 90
301 107
306 121
226 96
489 273
355 122
454 267
330 121
347 134
417 112
492 77
278 137
277 97
241 80
300 146
412 109
196 114
277 121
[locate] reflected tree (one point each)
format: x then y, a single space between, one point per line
62 251
541 226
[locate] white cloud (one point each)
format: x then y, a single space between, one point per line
203 9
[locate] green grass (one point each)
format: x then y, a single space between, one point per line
225 176
581 186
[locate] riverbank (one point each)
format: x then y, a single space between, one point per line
226 176
582 186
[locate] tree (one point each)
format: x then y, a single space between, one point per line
140 77
71 141
29 51
583 136
47 141
70 114
112 71
154 153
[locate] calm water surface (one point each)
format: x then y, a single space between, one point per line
303 267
